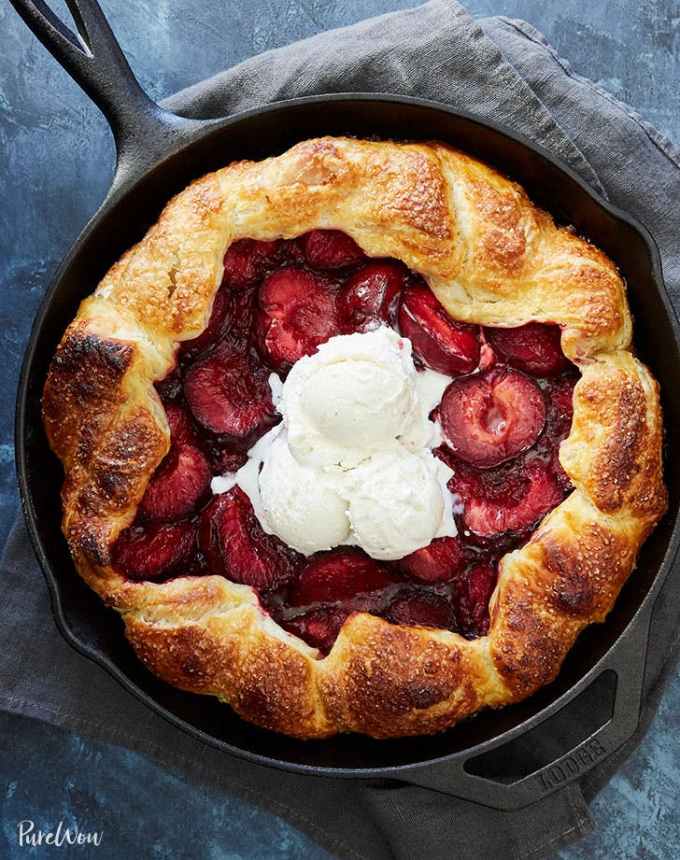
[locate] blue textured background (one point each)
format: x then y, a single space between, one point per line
55 163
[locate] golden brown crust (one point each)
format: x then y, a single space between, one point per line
492 258
613 451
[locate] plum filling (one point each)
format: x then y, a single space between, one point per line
503 416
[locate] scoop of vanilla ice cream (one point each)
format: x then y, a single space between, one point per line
351 462
363 401
300 506
397 503
355 396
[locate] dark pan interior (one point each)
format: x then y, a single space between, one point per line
267 133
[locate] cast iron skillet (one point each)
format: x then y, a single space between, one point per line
490 759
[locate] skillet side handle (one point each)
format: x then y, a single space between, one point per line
142 130
628 662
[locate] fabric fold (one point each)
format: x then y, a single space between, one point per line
436 51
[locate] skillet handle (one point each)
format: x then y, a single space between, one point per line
142 130
628 663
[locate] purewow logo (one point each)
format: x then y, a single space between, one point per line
30 837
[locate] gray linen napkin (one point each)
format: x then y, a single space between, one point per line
500 70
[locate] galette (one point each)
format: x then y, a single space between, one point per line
355 439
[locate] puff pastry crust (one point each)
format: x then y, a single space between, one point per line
491 257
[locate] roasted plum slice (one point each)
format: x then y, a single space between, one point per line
181 426
439 561
183 476
153 550
438 341
560 396
370 296
226 459
228 393
178 484
473 591
297 312
493 416
421 609
508 501
231 316
338 575
330 249
534 348
318 627
235 545
247 260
